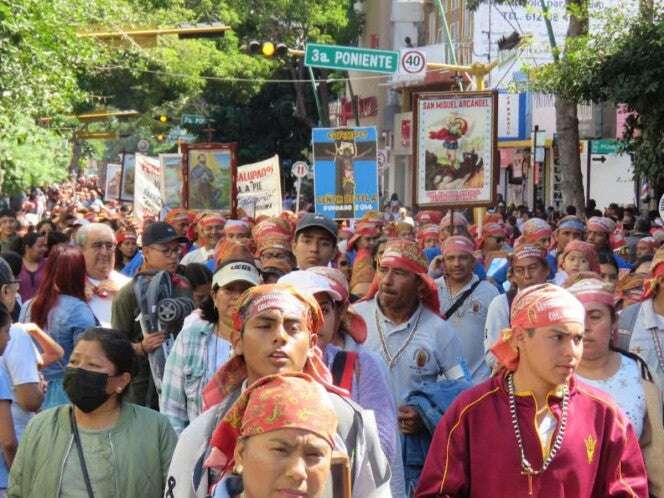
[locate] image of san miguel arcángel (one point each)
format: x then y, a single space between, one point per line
345 172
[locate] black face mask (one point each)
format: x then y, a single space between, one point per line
86 389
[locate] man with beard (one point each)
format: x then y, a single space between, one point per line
97 243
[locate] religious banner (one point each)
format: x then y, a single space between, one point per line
147 187
171 180
127 184
456 157
259 188
209 174
345 172
113 180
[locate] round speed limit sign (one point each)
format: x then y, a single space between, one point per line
413 62
300 169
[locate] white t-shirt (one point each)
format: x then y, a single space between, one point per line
101 306
19 362
626 388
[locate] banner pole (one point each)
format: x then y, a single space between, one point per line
297 198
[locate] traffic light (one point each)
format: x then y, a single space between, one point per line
163 118
160 137
509 42
267 49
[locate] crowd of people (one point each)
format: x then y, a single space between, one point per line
403 354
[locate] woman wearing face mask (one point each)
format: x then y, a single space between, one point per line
277 440
622 375
98 446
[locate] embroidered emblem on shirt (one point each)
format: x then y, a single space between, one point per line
421 357
477 306
591 444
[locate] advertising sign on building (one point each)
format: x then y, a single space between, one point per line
345 171
513 117
456 157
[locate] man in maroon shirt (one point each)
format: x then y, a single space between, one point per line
533 429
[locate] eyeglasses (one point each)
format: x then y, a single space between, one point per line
100 244
519 271
168 251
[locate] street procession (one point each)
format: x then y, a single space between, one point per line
331 249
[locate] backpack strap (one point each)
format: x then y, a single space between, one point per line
343 368
462 299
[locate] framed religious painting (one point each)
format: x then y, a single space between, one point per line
210 177
455 149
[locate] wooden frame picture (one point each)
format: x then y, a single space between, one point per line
210 177
455 149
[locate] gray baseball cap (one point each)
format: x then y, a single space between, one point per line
312 220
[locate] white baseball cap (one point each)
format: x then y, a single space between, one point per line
234 271
310 282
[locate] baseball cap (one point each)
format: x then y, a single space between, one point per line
160 232
6 275
236 271
312 220
310 282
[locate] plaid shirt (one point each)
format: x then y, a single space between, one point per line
186 373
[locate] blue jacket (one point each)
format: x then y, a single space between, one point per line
431 402
131 268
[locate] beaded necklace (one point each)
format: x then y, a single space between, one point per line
391 360
526 467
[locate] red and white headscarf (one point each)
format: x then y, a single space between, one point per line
601 224
587 249
275 402
459 219
491 229
536 307
535 229
406 255
525 251
458 244
592 290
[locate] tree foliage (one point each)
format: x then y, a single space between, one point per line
46 70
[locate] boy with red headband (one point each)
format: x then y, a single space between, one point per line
277 330
533 430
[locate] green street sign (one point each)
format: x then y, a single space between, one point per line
351 58
607 147
193 119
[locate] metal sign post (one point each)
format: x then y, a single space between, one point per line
299 170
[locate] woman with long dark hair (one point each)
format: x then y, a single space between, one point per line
60 308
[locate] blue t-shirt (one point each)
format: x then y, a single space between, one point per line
5 395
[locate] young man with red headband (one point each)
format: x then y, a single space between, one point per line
464 302
533 430
277 333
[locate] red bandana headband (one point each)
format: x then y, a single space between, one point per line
528 251
601 224
458 244
275 402
585 248
212 219
536 307
535 229
592 290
